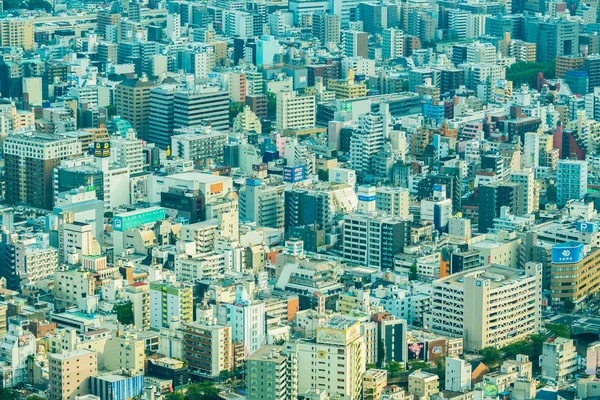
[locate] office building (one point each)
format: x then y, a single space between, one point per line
526 178
573 279
160 120
557 38
198 144
70 374
112 385
208 348
467 305
571 183
355 43
208 106
132 101
267 50
334 361
372 240
169 301
326 27
30 159
496 195
295 111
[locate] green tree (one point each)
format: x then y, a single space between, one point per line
551 194
202 391
124 313
569 305
394 369
519 347
491 356
234 109
413 275
417 364
175 396
323 175
371 366
271 105
560 330
8 394
523 72
111 111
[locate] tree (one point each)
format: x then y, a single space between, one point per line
491 356
371 366
124 313
36 397
234 109
413 275
560 330
519 347
202 391
175 396
271 105
8 394
569 305
394 369
111 111
524 72
416 364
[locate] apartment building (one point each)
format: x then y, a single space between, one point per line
70 373
207 348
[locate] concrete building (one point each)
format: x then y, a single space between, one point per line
16 347
495 195
526 178
17 32
261 202
70 374
132 100
385 236
139 296
295 112
334 361
125 351
207 348
393 43
326 27
373 383
571 183
355 43
423 385
467 304
458 374
269 373
208 106
558 360
168 302
72 285
30 159
198 144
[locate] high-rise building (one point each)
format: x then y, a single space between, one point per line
559 360
30 159
531 150
355 44
393 43
261 202
468 304
132 101
198 144
367 141
393 201
267 47
207 348
326 27
571 181
17 32
557 38
526 178
247 320
204 106
70 373
335 361
295 111
496 195
160 120
373 240
139 296
168 301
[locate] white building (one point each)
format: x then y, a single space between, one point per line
458 374
558 360
526 178
393 43
295 112
571 181
15 347
485 305
531 150
246 319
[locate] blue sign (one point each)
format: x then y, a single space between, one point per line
293 174
366 198
567 253
253 182
588 226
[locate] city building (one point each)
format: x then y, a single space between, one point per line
70 374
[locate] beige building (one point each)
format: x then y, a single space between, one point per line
295 112
139 295
422 385
71 285
132 99
125 350
207 348
373 383
558 360
17 32
69 374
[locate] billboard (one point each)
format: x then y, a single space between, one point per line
416 351
567 253
293 174
588 226
133 219
102 149
436 349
